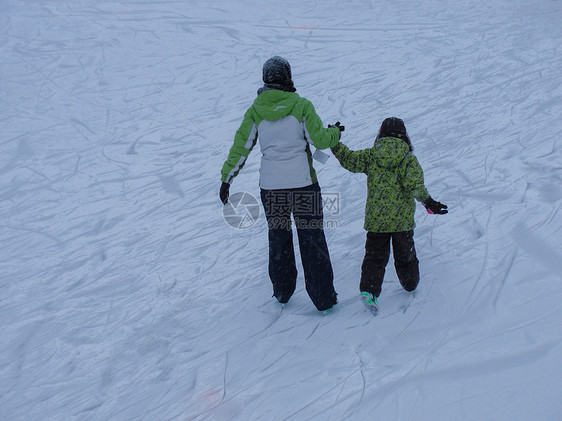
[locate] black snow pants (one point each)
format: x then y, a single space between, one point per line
377 253
305 204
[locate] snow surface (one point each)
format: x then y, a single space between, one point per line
125 295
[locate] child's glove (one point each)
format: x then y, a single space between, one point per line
431 206
224 192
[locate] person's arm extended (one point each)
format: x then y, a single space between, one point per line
413 180
320 137
354 161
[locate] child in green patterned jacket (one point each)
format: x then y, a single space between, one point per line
394 180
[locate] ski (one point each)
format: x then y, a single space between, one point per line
370 302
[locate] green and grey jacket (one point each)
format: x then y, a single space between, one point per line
287 124
394 180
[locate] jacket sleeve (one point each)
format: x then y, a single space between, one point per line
413 179
354 161
315 132
244 141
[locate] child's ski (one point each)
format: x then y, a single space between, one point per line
370 302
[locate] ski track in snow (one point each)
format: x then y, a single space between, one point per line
125 295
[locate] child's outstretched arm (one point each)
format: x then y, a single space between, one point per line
414 182
354 161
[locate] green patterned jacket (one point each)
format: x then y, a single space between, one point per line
394 180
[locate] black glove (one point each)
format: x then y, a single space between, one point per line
431 206
224 192
337 126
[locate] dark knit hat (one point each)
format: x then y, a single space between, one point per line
277 70
277 74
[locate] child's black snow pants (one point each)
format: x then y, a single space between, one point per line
305 204
377 253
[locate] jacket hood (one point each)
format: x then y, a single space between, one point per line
390 151
275 104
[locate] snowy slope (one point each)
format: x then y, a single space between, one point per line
124 294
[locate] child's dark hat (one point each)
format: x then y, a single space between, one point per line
393 127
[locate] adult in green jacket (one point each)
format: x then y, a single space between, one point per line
394 182
286 125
